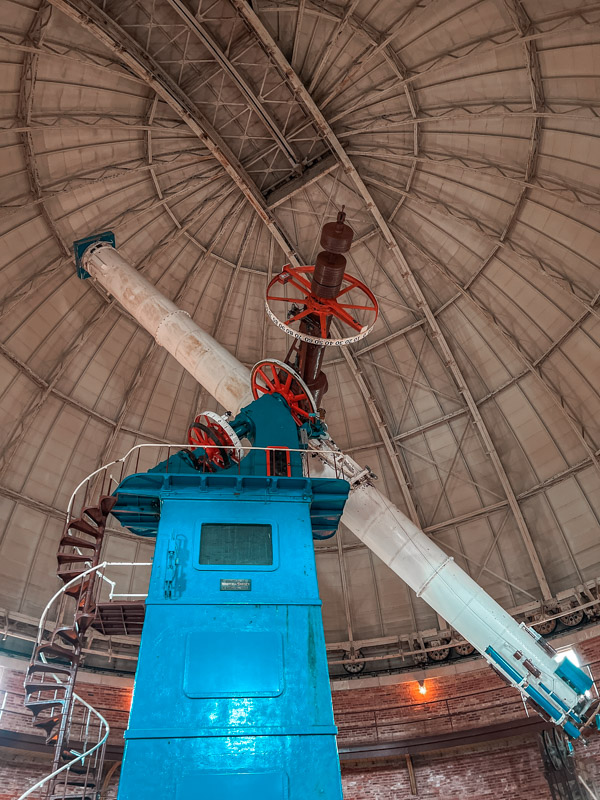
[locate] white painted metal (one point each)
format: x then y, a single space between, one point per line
436 577
375 520
221 373
79 758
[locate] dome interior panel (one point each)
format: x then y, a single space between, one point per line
474 205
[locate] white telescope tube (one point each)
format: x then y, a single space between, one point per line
205 359
435 577
397 541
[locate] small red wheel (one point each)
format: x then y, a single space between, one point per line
354 306
217 438
274 377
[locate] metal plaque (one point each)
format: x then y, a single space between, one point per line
236 585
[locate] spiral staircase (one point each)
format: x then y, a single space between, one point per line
74 729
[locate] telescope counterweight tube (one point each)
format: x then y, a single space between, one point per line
397 541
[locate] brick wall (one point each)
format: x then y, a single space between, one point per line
494 769
18 772
113 702
368 714
399 711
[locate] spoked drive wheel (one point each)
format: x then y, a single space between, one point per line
354 308
217 438
274 377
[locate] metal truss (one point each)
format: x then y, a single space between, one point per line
216 76
201 32
105 121
100 25
390 122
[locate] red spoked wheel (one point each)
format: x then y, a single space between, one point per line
274 377
354 307
216 437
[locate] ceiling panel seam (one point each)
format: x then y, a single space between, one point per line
497 240
70 401
29 413
35 35
549 185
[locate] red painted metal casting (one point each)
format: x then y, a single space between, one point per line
310 299
275 377
322 310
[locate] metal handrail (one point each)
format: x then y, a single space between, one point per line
103 724
335 458
104 564
80 757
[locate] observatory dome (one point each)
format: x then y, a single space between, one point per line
215 139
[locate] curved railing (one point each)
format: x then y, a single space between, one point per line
94 734
104 482
104 730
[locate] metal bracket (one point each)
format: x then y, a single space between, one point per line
363 476
81 245
171 568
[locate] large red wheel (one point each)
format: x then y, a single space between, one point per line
274 377
217 438
354 307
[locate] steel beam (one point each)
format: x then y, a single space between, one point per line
314 173
201 32
86 14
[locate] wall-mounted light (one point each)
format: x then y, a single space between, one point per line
422 687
